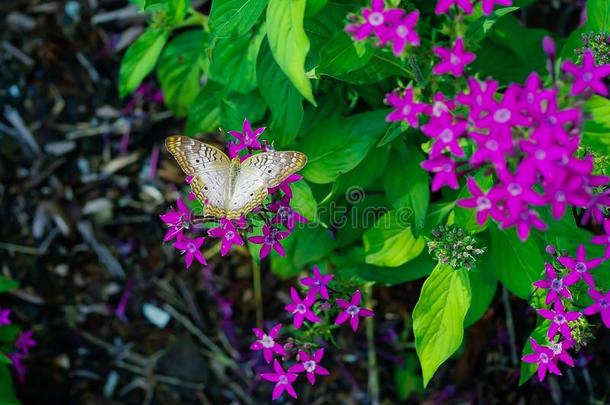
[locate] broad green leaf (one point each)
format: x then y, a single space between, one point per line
466 218
438 317
283 99
598 15
288 42
597 127
234 62
352 218
539 335
305 246
483 283
175 9
337 145
140 59
406 184
381 66
4 359
303 201
478 29
394 131
7 284
7 392
204 113
343 55
517 264
390 242
234 18
180 68
320 28
235 107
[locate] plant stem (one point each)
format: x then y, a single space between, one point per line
258 294
372 355
510 326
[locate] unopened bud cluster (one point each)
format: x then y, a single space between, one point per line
600 45
449 244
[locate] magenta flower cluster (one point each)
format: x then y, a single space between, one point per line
443 6
320 298
281 222
21 347
391 26
523 137
563 280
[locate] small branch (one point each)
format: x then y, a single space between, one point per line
258 292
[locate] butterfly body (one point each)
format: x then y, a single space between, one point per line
227 187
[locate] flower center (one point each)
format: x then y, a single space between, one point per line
309 366
282 380
483 203
580 267
544 358
530 98
402 31
514 189
283 212
604 303
479 99
447 167
454 59
376 18
229 235
551 119
557 349
559 318
191 247
556 284
492 145
267 342
270 239
502 115
438 108
587 77
353 310
560 196
300 309
540 154
406 110
446 135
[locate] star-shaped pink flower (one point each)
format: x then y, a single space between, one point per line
442 6
481 202
588 76
318 283
557 286
406 108
310 365
283 381
453 60
229 235
446 133
443 170
301 308
191 249
266 342
352 311
601 306
559 320
580 266
543 357
246 139
270 238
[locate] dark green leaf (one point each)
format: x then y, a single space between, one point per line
481 26
7 392
343 55
7 284
204 113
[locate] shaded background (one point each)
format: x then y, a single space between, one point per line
119 320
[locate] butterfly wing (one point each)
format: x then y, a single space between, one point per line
210 168
259 173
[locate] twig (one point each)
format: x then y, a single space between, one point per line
18 54
258 293
27 139
112 264
372 355
510 325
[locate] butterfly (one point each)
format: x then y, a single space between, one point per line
230 188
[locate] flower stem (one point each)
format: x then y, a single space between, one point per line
372 355
258 294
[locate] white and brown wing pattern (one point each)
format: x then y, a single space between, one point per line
209 167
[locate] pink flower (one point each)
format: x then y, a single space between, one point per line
352 311
190 247
177 220
285 214
453 60
504 115
580 267
517 190
543 356
560 351
596 207
377 20
524 221
488 5
557 286
270 238
443 170
405 107
446 133
283 381
605 238
559 320
266 342
17 363
479 96
310 365
285 186
247 139
492 148
229 235
601 306
402 33
563 189
440 105
301 308
587 77
318 283
481 202
4 317
442 6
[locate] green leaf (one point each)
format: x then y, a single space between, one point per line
7 284
343 55
406 184
234 62
305 246
381 66
483 283
304 201
395 129
481 26
337 145
597 127
320 28
140 59
539 335
234 18
438 317
390 242
204 113
283 99
352 218
517 264
598 15
180 68
4 359
289 43
7 392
